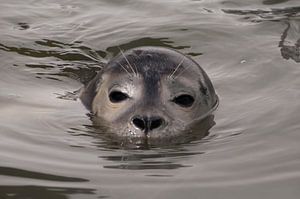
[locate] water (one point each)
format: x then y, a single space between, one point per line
49 148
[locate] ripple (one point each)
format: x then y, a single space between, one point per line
16 192
7 171
274 14
49 146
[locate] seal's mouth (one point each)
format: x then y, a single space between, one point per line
129 138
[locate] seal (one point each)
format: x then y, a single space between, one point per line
150 93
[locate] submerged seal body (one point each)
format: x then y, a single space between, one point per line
150 92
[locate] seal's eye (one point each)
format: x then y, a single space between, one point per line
117 96
184 100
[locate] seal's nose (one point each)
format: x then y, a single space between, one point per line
147 123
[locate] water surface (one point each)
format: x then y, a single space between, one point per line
49 148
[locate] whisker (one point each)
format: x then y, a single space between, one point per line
124 69
85 54
135 69
182 71
171 76
127 61
94 56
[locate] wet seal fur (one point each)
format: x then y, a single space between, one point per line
150 93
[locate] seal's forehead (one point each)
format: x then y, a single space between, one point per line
152 61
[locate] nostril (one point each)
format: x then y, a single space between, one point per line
147 123
139 123
155 123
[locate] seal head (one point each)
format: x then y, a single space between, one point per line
150 92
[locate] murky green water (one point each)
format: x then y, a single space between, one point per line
48 146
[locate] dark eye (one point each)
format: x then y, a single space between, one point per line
117 96
184 100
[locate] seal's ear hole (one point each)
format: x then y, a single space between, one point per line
117 96
184 100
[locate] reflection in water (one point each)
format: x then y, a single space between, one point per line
140 160
40 192
271 2
283 15
74 61
17 192
259 15
71 54
146 41
23 26
289 51
7 171
37 192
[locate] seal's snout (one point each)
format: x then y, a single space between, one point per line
147 124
